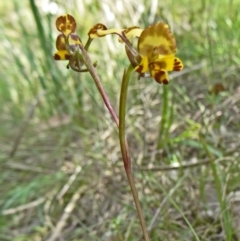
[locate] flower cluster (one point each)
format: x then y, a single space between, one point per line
154 55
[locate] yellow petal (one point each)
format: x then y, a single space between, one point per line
156 40
143 66
66 24
61 55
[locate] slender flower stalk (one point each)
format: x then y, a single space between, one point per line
98 83
124 148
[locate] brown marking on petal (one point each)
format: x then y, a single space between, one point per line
161 78
158 66
161 49
177 69
66 24
177 63
56 57
139 68
101 26
61 55
165 81
177 66
161 72
157 77
93 31
67 56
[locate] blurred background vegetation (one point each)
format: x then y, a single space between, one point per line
61 171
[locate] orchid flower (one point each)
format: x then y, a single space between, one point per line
155 53
68 43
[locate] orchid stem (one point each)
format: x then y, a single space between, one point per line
125 150
97 80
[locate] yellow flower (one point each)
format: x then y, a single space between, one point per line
157 48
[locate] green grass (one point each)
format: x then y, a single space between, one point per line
64 124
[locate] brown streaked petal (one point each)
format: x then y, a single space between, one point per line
160 75
157 39
178 65
66 24
60 42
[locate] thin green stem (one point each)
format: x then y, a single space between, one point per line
122 114
125 150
